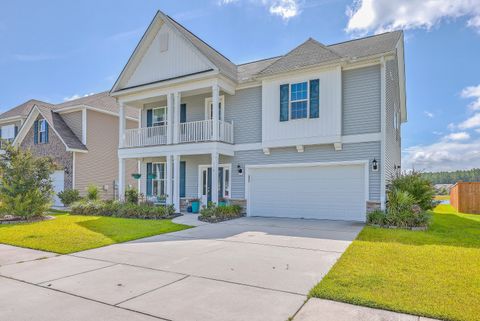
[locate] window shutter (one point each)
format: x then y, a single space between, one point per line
15 134
46 132
1 131
149 180
183 113
182 178
35 132
284 93
314 98
149 118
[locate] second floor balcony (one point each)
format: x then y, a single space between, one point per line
188 132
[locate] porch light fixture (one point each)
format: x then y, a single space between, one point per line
374 165
239 169
66 170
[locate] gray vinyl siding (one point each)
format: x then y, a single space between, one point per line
392 105
321 153
245 109
361 101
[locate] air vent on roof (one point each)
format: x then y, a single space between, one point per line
163 39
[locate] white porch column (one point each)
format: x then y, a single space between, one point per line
215 177
176 182
169 179
121 125
169 118
121 179
139 170
176 117
215 112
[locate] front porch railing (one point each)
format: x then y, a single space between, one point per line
190 132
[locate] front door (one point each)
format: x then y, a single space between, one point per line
206 183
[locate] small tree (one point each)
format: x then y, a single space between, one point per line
26 188
69 196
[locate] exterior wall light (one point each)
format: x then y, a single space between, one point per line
374 165
239 169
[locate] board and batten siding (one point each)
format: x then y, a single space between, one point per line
178 59
74 121
392 106
327 126
361 112
245 110
99 166
321 153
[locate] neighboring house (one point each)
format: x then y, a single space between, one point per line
314 133
12 120
81 136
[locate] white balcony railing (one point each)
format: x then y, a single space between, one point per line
190 132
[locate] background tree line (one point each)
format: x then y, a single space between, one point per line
471 175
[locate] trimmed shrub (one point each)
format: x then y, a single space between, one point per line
25 185
420 188
69 196
213 213
92 192
124 210
376 217
131 196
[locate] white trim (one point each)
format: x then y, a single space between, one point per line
383 116
180 149
300 148
73 170
248 168
9 119
75 108
202 167
247 146
84 126
208 103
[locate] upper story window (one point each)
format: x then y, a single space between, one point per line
8 132
300 100
42 131
159 117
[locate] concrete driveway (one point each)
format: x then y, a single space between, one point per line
245 269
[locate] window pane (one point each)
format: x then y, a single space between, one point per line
299 91
299 109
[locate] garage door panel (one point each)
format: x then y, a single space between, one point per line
324 192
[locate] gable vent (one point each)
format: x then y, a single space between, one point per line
163 39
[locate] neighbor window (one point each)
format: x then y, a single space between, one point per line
159 182
298 100
42 131
159 116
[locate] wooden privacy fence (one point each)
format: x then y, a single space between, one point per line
465 197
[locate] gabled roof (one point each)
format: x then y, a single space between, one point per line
309 53
247 71
22 110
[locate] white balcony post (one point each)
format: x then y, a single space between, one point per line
139 170
169 180
215 111
215 178
121 179
176 182
121 125
169 118
176 118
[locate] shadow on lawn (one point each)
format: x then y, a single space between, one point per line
104 226
446 229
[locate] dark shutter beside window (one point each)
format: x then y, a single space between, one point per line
46 132
35 132
149 118
183 166
149 180
16 131
284 92
314 98
183 113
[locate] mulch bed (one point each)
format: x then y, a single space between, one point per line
218 219
412 228
10 219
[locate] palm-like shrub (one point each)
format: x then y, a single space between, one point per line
92 192
419 187
26 189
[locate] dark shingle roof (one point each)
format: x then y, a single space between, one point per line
23 110
246 72
56 121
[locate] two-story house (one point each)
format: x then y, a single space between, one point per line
79 135
314 133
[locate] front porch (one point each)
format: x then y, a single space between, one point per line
180 178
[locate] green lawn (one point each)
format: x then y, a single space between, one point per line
435 273
442 197
71 233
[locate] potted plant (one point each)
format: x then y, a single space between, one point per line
195 205
136 175
222 201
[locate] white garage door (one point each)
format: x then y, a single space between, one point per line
58 178
336 192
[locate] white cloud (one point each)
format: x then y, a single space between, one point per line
385 15
458 136
451 126
428 114
472 92
442 155
76 96
471 122
285 9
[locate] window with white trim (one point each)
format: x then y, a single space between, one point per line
159 183
299 100
8 132
42 131
159 116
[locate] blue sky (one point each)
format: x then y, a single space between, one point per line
56 50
